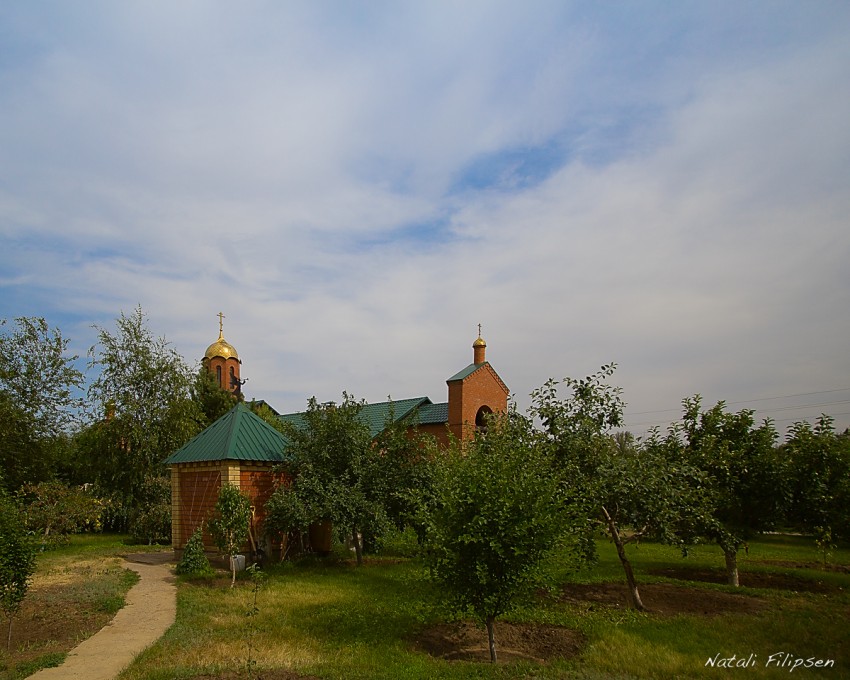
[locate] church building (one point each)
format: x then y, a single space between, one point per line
242 449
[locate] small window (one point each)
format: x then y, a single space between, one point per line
218 374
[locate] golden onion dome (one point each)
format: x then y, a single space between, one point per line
479 343
221 348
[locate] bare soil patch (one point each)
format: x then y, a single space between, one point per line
666 599
63 607
819 566
466 641
750 579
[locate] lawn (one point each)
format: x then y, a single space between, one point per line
330 619
326 618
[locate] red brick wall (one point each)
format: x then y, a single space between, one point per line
198 495
258 482
226 365
483 388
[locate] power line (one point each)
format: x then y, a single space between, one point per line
748 401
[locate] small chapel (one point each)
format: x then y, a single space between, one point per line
241 449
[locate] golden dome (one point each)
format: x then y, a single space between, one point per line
221 348
479 343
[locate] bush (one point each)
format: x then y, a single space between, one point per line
17 560
194 561
54 511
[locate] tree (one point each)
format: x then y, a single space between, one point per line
212 401
54 511
633 491
335 468
230 523
39 400
151 522
746 487
143 393
17 561
819 467
644 493
499 511
265 413
406 471
577 428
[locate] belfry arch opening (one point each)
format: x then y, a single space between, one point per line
482 417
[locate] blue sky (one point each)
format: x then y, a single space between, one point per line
662 185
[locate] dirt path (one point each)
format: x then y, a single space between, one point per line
150 610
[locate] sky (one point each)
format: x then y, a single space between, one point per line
356 186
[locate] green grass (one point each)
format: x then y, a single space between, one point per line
332 620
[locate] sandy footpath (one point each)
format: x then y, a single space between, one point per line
150 610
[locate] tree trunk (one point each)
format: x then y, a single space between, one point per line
9 637
358 547
491 638
634 595
731 567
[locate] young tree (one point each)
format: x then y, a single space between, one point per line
194 561
645 494
746 487
499 511
633 491
39 399
334 468
143 393
17 561
230 523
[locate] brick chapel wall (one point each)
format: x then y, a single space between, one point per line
259 482
437 430
197 487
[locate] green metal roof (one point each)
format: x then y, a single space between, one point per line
430 414
466 372
237 435
377 415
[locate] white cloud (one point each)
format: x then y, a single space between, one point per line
271 162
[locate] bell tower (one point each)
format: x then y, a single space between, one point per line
475 393
222 360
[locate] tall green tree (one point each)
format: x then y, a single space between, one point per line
819 465
746 483
40 399
142 394
499 510
404 471
212 401
335 469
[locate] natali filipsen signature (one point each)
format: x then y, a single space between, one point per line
775 660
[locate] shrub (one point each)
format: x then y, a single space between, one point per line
17 561
194 561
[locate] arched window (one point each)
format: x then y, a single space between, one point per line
481 418
218 375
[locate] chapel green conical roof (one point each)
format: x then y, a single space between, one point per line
238 435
